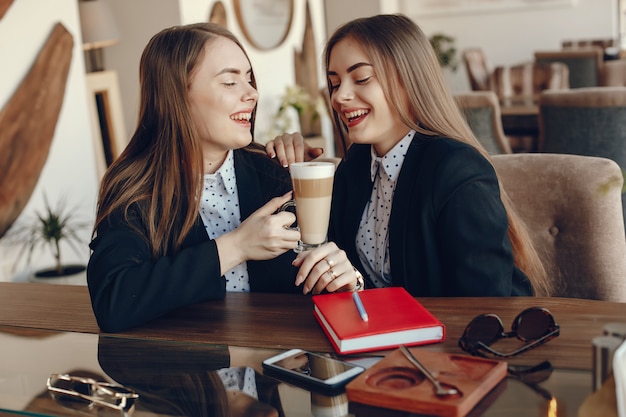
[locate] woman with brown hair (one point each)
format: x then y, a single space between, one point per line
416 201
188 210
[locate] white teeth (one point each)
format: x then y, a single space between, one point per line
241 116
356 113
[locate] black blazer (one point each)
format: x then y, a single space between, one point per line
448 226
128 288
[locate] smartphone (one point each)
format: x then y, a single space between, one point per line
312 371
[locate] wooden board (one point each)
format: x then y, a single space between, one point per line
27 124
395 383
4 6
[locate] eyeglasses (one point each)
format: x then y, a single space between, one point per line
534 326
93 392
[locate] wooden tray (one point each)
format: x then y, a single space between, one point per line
395 383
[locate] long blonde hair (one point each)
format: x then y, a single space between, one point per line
407 66
160 170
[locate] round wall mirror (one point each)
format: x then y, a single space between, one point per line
264 23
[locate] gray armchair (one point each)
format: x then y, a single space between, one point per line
482 112
586 65
585 121
572 207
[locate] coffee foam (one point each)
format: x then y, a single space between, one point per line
312 170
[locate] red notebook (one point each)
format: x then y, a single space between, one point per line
394 318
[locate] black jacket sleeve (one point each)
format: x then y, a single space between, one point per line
448 226
129 288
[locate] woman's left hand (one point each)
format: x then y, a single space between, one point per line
325 268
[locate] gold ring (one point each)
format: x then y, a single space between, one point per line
329 262
332 273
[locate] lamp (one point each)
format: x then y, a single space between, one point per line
98 29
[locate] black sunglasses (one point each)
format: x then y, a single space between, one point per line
534 326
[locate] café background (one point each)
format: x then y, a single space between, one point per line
508 33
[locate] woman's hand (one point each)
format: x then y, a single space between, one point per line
325 268
291 147
263 235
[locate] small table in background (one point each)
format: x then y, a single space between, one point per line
520 122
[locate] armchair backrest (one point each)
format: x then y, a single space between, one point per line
572 207
614 74
482 112
585 121
585 64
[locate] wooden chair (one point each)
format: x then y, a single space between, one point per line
477 68
614 74
529 79
585 121
482 112
572 208
585 64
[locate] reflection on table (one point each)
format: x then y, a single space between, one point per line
183 379
244 329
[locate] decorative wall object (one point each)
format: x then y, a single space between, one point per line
218 14
264 23
4 6
448 7
27 124
305 64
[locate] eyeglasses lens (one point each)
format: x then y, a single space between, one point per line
532 324
70 385
486 328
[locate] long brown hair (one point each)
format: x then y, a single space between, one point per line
160 170
406 64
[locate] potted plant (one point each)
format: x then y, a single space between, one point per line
445 50
50 229
306 109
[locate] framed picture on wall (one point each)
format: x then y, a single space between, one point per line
438 7
264 23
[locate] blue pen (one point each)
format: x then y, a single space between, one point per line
359 306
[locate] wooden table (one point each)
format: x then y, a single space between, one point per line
520 122
250 327
280 321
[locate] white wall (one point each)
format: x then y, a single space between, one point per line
511 36
508 35
136 26
274 68
69 171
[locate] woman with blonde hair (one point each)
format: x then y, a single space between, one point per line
416 201
187 212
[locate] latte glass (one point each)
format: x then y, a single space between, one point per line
312 190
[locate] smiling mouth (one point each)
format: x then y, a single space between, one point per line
241 117
355 115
